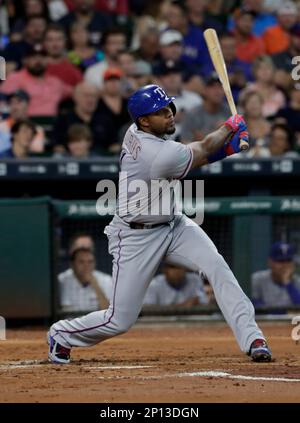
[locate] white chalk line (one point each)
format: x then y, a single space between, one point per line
215 374
22 364
117 367
36 363
239 377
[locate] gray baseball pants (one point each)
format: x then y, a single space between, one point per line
137 254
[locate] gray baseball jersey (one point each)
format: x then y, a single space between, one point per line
266 292
137 253
149 163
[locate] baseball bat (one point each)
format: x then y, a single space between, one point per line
217 58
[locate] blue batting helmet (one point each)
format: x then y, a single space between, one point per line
149 99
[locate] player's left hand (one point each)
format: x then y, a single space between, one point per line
233 146
236 123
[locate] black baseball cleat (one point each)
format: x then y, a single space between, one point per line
259 351
57 354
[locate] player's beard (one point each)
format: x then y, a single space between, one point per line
37 70
171 130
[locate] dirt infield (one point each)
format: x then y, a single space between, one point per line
158 363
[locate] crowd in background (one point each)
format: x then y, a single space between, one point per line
82 287
72 64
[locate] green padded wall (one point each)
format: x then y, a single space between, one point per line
25 274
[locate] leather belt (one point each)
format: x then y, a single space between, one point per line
134 225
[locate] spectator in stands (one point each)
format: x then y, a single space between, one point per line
29 9
77 240
262 19
81 240
79 141
112 112
195 51
57 9
277 286
82 54
259 127
175 287
171 45
122 12
207 117
198 16
113 43
290 114
126 61
22 132
4 25
45 91
273 98
15 51
84 112
171 48
281 141
142 74
239 72
248 46
170 78
58 64
82 287
283 60
137 73
116 7
280 144
84 11
141 25
18 104
277 38
149 46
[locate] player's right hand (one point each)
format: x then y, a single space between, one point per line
236 123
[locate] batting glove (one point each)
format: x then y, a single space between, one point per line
236 123
233 146
230 147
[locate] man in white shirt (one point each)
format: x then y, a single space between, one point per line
177 287
81 287
113 42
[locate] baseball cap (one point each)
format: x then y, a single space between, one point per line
165 68
211 78
282 251
20 94
287 8
112 73
295 30
141 68
169 37
35 50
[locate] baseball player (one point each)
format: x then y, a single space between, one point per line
139 239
